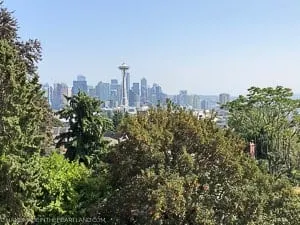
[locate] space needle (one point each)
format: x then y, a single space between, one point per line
123 67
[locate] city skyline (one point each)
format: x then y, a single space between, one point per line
140 94
138 80
119 79
204 47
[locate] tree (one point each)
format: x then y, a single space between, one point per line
176 169
84 142
58 186
87 125
24 117
19 188
117 119
269 117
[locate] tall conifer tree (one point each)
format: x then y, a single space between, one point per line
24 121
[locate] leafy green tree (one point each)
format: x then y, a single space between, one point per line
58 185
84 139
176 169
269 117
24 117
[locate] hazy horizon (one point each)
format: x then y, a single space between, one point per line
199 46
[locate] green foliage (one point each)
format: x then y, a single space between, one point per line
91 191
22 118
24 121
176 169
57 122
269 117
58 182
19 188
87 125
117 119
171 167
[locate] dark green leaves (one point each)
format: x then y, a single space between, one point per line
87 126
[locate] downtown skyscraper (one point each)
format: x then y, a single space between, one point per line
144 91
79 85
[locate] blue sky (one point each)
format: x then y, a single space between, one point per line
206 47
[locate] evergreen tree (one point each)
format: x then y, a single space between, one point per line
117 119
24 121
84 139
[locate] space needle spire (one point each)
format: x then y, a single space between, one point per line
123 67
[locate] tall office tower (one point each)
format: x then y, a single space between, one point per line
131 98
80 77
48 91
158 94
60 90
224 98
136 94
115 93
127 83
196 102
182 98
155 95
190 100
113 83
136 88
144 91
103 91
92 91
149 95
79 85
123 67
152 94
114 98
204 104
173 98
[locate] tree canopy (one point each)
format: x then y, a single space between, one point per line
24 121
176 169
170 167
269 117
